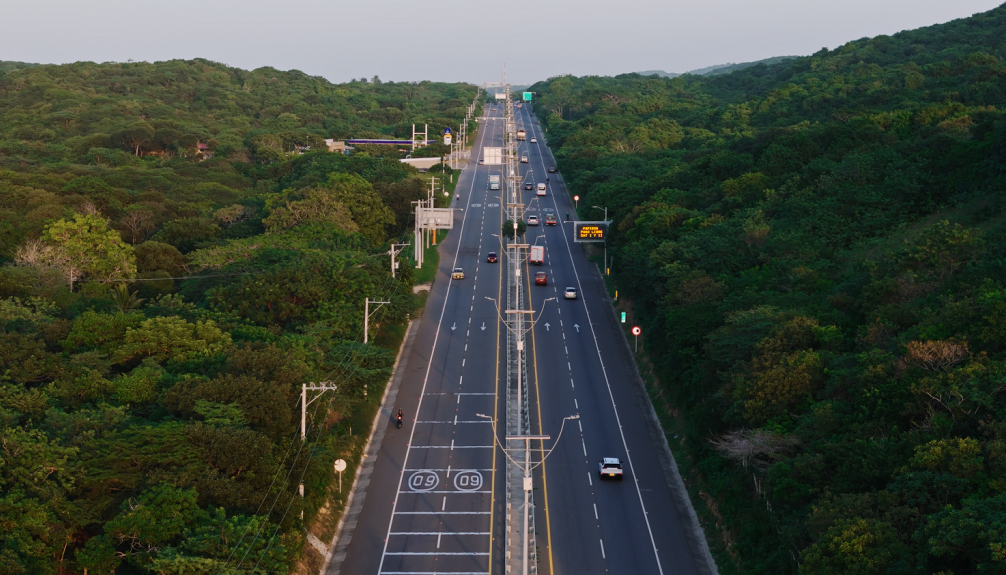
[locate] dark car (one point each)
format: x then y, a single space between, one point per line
541 279
551 169
491 258
529 186
550 219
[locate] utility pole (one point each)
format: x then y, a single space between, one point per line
321 387
431 202
367 313
417 234
393 252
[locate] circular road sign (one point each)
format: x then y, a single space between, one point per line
576 198
636 330
340 465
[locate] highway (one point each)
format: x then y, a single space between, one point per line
435 502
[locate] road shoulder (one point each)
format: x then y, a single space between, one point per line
339 545
694 533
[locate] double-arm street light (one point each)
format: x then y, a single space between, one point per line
527 467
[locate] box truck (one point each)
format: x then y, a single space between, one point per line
537 255
494 181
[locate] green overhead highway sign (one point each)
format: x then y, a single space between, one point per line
527 96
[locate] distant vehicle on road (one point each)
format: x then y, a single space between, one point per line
551 169
532 220
458 274
494 181
570 293
541 189
491 258
541 279
610 468
523 159
534 140
481 161
521 135
537 255
550 219
529 186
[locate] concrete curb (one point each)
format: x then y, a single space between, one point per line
358 492
694 533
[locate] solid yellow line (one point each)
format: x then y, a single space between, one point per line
496 399
544 476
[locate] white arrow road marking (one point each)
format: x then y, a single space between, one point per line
546 326
455 326
577 326
483 326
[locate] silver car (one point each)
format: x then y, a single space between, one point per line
570 293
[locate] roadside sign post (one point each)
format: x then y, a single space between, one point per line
340 466
576 202
623 317
636 331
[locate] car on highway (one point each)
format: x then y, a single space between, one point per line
541 279
541 189
551 169
458 274
534 140
570 293
532 220
550 219
481 161
523 159
529 186
491 258
610 468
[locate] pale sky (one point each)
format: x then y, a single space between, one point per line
455 40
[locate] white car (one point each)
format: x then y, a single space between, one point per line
532 220
523 159
570 293
541 190
534 140
610 468
458 274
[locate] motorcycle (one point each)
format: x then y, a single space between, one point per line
399 419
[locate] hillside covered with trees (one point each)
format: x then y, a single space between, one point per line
816 251
162 302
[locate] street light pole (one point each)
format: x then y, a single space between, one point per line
605 208
528 483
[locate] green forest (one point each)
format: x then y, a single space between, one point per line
179 253
816 252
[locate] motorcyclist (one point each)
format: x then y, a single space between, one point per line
567 216
399 415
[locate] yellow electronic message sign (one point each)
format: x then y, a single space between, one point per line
590 231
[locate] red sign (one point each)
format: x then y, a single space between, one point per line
576 198
636 330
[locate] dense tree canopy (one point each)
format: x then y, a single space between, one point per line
816 252
160 308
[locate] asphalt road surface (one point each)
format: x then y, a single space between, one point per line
435 503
